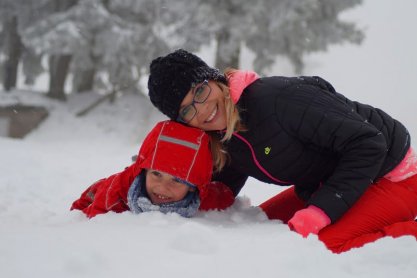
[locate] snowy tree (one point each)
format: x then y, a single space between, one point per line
232 22
293 28
267 27
11 44
16 16
58 37
138 43
191 24
112 42
12 50
100 42
31 66
186 24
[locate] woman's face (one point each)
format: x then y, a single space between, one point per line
164 188
211 114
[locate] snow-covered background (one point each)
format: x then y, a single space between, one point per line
42 174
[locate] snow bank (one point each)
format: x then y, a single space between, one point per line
42 174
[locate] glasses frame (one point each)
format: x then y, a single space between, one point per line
194 88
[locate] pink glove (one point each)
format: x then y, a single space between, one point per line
309 220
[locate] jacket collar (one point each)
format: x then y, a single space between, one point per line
238 81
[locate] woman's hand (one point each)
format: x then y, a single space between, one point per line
309 221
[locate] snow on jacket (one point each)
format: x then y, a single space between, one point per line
301 131
170 148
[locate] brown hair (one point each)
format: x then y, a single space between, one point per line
233 124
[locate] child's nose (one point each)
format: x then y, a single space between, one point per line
166 186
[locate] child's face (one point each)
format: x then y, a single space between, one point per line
164 188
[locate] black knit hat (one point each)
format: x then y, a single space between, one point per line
173 75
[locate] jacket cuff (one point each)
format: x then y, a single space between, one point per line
332 203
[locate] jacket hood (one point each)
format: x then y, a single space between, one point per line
178 150
238 80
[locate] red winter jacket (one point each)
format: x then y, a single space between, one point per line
171 148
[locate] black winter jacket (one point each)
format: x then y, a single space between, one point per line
300 131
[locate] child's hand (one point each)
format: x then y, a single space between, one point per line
215 195
87 197
309 220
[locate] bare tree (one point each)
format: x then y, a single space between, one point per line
12 50
59 63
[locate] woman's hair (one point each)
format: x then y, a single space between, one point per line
233 124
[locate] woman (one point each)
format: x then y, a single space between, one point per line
171 174
297 131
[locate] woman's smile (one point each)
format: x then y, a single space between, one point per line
212 115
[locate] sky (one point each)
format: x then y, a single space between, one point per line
43 173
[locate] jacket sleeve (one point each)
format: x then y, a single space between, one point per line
231 178
87 197
109 194
320 120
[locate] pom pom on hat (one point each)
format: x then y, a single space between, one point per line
173 75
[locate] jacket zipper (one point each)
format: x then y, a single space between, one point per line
263 170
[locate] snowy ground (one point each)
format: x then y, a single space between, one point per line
42 174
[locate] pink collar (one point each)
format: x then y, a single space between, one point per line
238 81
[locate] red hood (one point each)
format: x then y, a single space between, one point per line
177 150
238 81
171 148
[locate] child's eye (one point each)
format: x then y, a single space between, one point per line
156 174
176 180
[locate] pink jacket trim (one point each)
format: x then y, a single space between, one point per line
406 168
255 160
238 81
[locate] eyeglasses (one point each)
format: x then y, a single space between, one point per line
201 92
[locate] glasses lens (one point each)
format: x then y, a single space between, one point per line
188 113
202 92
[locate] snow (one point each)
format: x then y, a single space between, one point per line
42 174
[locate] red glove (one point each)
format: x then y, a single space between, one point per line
215 195
309 220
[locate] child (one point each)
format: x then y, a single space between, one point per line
350 163
171 174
